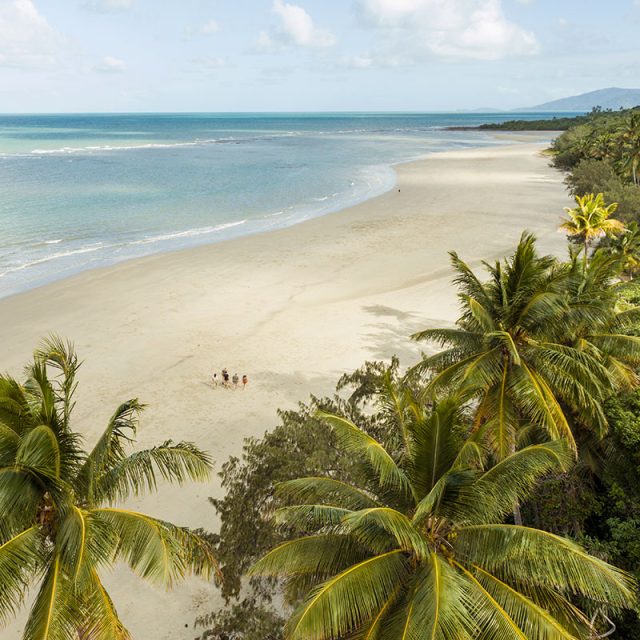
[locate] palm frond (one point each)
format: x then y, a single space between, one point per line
493 618
39 450
9 443
511 480
350 599
111 447
21 554
467 281
365 525
438 606
354 441
310 517
139 471
99 619
434 445
329 490
58 354
535 622
52 615
522 554
22 491
317 555
538 401
157 550
449 498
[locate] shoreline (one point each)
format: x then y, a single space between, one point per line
385 184
292 308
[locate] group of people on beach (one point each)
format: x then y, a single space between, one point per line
227 381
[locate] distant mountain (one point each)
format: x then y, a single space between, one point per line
612 98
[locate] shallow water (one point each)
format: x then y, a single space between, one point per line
81 191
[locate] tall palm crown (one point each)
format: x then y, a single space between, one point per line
510 350
59 527
420 551
596 322
589 221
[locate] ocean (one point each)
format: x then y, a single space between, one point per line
84 191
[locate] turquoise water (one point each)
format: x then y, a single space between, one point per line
82 191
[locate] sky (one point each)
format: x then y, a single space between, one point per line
311 55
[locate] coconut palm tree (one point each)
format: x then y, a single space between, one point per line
509 350
630 162
589 221
627 245
421 551
62 523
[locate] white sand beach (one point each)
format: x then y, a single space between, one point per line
293 309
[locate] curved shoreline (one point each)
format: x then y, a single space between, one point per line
293 309
301 215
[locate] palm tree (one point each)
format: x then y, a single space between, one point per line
60 525
509 350
627 246
589 221
420 550
630 162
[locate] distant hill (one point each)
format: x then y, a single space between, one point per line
612 98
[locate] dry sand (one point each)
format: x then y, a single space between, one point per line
293 309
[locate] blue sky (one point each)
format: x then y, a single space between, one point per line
310 55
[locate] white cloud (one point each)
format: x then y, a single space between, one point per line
375 61
450 28
26 38
209 28
107 6
266 44
109 64
295 27
359 62
213 62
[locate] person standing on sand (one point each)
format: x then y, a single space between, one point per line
225 378
214 380
235 380
244 381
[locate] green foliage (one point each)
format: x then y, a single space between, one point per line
578 319
245 620
599 176
431 556
540 346
59 526
544 124
602 155
604 135
589 222
592 176
300 445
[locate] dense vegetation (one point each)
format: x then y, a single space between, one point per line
544 124
537 381
59 527
603 156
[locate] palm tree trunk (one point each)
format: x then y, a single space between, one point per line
517 515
